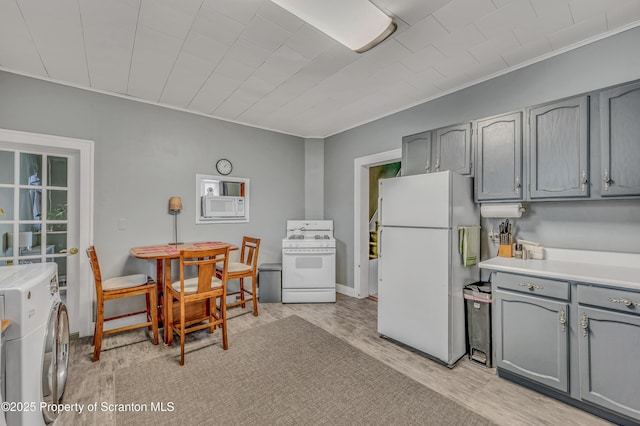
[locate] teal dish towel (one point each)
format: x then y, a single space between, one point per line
469 244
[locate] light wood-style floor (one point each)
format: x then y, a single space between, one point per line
353 320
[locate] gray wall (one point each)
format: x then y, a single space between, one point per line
314 179
594 225
144 154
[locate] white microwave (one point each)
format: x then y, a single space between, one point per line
223 206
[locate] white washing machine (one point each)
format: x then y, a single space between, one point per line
35 347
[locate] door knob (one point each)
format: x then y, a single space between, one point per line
72 250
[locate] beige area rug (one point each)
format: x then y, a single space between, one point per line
288 372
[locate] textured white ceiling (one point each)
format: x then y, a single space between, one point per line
251 62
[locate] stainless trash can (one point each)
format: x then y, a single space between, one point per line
270 282
477 297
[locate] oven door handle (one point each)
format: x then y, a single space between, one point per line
307 253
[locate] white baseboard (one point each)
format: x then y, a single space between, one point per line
347 291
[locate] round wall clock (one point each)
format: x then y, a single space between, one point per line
224 166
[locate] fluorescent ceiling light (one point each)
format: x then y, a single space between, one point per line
357 24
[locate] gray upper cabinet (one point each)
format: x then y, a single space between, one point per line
620 141
559 150
499 158
452 149
448 148
416 154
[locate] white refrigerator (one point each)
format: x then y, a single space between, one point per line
420 272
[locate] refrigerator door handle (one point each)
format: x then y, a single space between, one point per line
380 242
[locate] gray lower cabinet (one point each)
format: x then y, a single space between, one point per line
559 150
581 340
416 154
499 158
620 141
452 150
609 348
533 338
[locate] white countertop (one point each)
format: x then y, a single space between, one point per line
606 268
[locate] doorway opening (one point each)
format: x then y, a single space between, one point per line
366 169
382 171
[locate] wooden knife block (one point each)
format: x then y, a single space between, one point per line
505 250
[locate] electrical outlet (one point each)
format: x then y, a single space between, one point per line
494 237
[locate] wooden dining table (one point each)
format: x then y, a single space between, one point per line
163 254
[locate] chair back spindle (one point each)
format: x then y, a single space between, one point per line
95 267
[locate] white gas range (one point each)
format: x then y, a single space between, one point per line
309 262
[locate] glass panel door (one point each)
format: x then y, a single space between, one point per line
44 182
30 185
7 179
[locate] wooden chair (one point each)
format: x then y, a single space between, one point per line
117 288
247 267
206 287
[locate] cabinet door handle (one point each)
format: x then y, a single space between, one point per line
584 324
517 188
625 302
428 166
583 181
531 286
437 165
563 320
606 179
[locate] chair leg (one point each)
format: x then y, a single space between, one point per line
160 306
148 310
182 333
212 314
154 315
223 315
97 335
242 292
168 324
254 295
